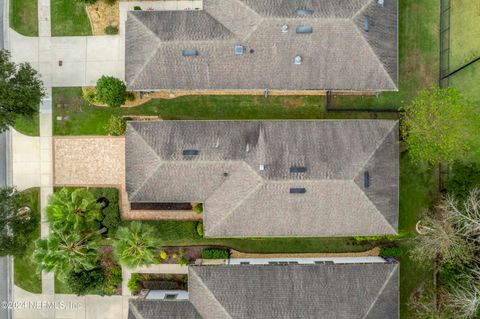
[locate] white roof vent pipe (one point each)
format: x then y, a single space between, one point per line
381 2
284 28
297 60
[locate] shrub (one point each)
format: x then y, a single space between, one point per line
134 283
130 96
111 30
215 253
86 281
183 261
198 208
90 96
137 8
163 255
463 178
111 91
111 2
115 126
200 229
390 251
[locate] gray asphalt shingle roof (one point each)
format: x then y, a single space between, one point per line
363 291
240 200
337 55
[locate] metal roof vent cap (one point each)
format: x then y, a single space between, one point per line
381 2
297 60
285 28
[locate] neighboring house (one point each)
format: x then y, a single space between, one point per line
354 291
265 44
271 178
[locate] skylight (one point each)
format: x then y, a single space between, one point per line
188 52
304 29
298 190
304 12
298 169
191 152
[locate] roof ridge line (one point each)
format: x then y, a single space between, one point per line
156 168
375 207
376 149
361 10
262 182
208 291
380 291
260 17
153 52
374 54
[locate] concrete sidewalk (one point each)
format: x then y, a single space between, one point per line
41 306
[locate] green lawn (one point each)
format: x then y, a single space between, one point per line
69 18
28 125
85 119
467 81
464 32
418 56
25 273
24 17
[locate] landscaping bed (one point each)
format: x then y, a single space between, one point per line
139 282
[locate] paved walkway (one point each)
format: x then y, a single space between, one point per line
25 160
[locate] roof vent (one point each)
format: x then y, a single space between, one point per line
261 167
191 152
189 52
304 12
298 190
366 23
285 28
238 49
366 179
381 3
298 169
297 60
304 29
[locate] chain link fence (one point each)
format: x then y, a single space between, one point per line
445 13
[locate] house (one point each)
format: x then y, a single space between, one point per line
270 178
348 45
328 291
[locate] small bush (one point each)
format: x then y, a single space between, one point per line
200 229
390 251
130 96
198 208
86 281
182 261
137 8
134 283
111 91
111 30
111 213
115 126
163 255
111 2
90 96
215 253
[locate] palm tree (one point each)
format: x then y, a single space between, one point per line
76 208
136 244
62 252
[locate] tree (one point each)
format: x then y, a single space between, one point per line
464 300
21 90
440 237
439 125
63 253
136 244
111 91
16 223
73 209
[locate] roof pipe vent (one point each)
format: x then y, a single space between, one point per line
297 60
381 3
284 28
366 23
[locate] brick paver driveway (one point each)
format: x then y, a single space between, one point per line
89 161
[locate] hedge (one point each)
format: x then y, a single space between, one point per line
390 251
215 253
111 213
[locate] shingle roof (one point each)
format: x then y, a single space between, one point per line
242 200
363 291
338 55
159 309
